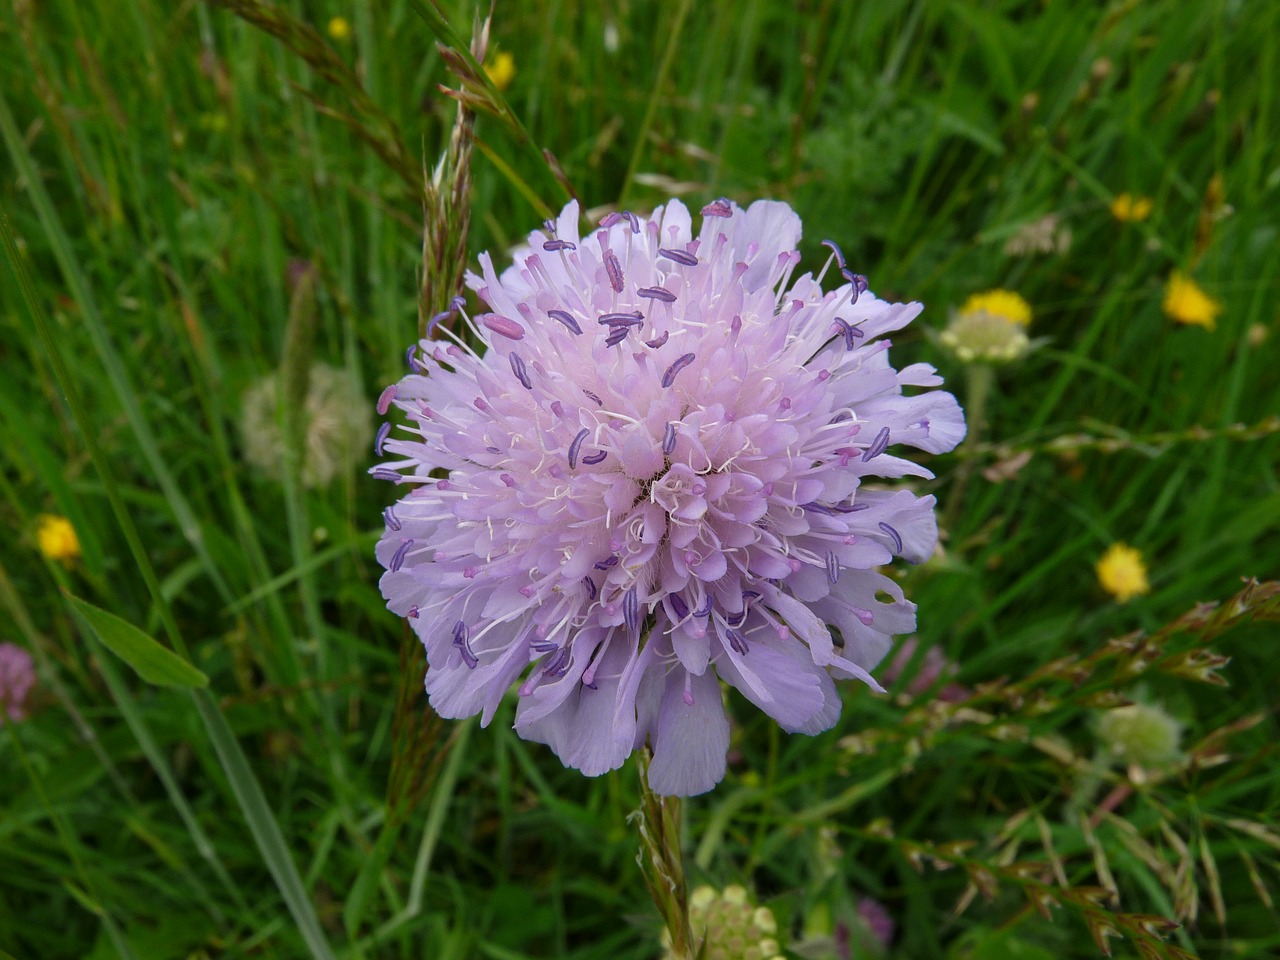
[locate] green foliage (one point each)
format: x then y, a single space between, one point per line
180 178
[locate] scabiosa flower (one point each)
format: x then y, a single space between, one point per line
17 677
656 472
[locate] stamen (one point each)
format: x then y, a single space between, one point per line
669 439
839 255
679 256
849 332
566 319
678 605
519 369
633 319
633 220
878 445
575 446
718 208
705 611
595 458
559 664
590 585
833 567
614 269
381 438
610 219
738 642
384 400
503 326
669 377
391 520
413 612
659 341
508 480
553 246
598 401
656 293
631 611
897 538
409 359
386 473
736 619
397 560
616 336
461 638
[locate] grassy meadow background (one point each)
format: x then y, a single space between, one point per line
170 171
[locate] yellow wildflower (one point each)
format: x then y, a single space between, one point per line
339 28
1001 303
1122 572
57 538
1185 302
1130 209
501 69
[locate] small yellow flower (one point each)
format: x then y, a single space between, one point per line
1001 303
1185 302
57 538
1122 572
1130 209
339 28
501 69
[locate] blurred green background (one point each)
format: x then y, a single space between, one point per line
197 203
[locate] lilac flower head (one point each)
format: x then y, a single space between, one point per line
653 475
17 677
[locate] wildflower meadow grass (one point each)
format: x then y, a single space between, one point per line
225 222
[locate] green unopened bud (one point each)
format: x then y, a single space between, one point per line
1141 734
732 927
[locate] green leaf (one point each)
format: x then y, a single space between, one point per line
152 662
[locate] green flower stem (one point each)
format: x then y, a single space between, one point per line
661 861
980 377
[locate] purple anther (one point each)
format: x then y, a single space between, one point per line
849 331
718 208
738 642
461 640
381 438
559 664
543 646
575 446
678 605
390 519
606 564
838 254
413 612
897 538
519 369
409 358
614 269
736 619
679 256
493 450
833 567
386 473
599 402
633 318
384 400
633 220
610 219
813 506
566 319
437 320
590 585
555 246
851 507
669 377
669 439
878 445
705 610
616 336
631 610
549 225
656 293
595 458
859 283
397 559
657 342
508 480
503 326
